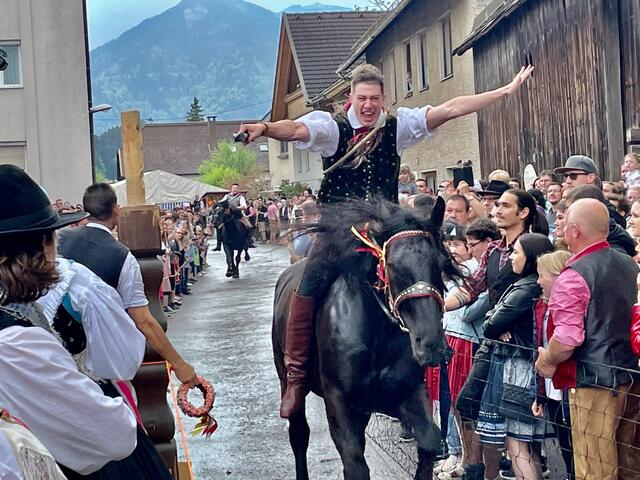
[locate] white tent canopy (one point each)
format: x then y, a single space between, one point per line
165 187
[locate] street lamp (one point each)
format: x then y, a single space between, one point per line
103 107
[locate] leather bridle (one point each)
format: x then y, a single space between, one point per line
420 289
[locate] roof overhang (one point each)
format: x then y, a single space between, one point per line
370 35
487 20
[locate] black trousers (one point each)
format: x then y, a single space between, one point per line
562 427
319 272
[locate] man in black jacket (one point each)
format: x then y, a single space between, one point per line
618 238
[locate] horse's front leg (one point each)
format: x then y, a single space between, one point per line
228 253
236 265
415 411
347 427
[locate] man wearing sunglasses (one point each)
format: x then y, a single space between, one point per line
578 170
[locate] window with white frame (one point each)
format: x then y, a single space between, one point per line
12 76
297 160
393 90
445 44
284 149
423 68
430 177
408 70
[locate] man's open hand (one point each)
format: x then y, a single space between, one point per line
519 79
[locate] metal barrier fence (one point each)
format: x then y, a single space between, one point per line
591 432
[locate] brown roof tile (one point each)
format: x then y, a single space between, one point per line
322 41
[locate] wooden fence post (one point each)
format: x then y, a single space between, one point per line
139 229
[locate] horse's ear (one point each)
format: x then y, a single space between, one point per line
437 215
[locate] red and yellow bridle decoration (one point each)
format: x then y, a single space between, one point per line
420 289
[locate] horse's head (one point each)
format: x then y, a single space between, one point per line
414 263
220 213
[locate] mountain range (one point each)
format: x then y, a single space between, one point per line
221 51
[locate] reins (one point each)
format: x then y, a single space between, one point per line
420 289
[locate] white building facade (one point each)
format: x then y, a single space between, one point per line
44 102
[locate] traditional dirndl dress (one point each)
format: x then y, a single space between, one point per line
491 424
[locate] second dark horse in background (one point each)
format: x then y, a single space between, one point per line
368 359
235 237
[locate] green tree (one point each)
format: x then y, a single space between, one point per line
195 113
230 162
291 189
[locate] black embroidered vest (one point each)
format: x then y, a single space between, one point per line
377 175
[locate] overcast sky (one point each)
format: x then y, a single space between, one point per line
110 18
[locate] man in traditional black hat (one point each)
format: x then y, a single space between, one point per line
360 149
82 428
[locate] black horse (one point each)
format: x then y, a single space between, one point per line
235 237
370 357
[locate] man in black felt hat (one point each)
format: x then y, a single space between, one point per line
491 194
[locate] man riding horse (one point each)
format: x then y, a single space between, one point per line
360 149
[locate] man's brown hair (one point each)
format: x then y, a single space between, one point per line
366 73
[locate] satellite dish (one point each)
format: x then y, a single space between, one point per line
530 176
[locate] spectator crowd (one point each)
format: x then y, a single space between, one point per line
542 330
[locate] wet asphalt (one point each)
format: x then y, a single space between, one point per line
224 330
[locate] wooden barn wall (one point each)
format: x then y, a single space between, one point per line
562 109
630 53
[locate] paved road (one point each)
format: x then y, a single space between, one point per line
224 329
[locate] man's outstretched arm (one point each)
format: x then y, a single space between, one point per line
461 106
284 130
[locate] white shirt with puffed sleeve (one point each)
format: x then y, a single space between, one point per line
115 347
324 134
41 385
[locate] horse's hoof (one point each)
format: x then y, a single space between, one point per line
236 275
228 274
247 257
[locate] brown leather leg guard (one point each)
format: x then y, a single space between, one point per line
297 348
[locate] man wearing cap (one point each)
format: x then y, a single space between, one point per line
578 170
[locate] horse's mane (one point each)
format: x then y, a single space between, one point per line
383 219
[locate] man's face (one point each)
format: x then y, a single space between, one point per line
633 194
543 183
422 186
507 214
559 231
573 178
404 176
367 99
457 212
477 247
459 250
488 202
234 189
554 194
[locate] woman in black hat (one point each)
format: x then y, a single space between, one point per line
89 434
